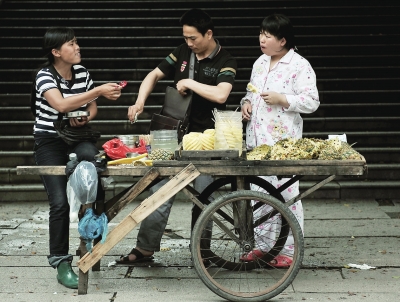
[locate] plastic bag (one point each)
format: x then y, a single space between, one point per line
81 187
92 226
116 149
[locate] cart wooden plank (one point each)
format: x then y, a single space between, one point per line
225 168
177 183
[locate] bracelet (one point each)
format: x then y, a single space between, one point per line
243 101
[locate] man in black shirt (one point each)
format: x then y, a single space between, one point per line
214 75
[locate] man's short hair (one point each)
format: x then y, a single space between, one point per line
198 19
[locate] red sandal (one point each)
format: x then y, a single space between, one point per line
252 256
281 261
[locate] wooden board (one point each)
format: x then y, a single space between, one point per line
225 167
206 154
177 183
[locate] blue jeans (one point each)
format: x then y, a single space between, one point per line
54 152
153 226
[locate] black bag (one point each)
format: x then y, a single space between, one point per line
73 135
174 114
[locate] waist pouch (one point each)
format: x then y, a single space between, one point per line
73 135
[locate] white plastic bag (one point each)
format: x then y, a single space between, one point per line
81 187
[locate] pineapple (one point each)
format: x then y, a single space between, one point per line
307 148
259 153
252 88
282 150
161 154
335 149
349 153
330 150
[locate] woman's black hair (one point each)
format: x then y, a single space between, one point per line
198 19
54 38
279 26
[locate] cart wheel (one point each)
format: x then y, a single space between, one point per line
217 189
244 281
223 185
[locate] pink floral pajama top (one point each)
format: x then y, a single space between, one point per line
292 76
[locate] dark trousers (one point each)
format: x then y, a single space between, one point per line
54 152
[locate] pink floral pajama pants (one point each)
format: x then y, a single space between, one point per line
266 233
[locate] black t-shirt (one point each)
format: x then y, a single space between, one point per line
218 67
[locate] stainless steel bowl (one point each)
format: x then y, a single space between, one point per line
131 154
77 114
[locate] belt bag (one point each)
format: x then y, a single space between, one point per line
174 114
73 135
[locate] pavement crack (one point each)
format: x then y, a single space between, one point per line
112 299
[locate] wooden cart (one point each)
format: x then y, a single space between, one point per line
235 207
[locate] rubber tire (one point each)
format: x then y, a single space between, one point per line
202 270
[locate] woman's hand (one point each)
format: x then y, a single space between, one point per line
274 98
75 122
246 111
111 91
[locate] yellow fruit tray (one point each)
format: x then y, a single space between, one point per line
136 161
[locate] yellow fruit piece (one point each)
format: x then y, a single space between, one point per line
252 88
126 160
209 131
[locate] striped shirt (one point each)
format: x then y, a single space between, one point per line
45 114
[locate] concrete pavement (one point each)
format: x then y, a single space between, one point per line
337 233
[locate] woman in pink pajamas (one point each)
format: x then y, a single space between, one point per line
286 87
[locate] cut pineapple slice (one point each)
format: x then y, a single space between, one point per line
252 88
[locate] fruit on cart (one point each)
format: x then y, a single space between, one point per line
191 141
336 149
209 132
199 141
161 154
282 149
349 153
252 88
207 141
306 148
228 136
259 153
309 148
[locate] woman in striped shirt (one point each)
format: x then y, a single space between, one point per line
77 93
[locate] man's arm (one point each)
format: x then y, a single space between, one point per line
217 94
145 89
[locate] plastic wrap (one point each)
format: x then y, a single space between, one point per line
81 187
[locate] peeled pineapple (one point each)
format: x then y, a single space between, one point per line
252 88
228 136
199 141
207 141
191 141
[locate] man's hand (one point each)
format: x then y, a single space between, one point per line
183 85
134 111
